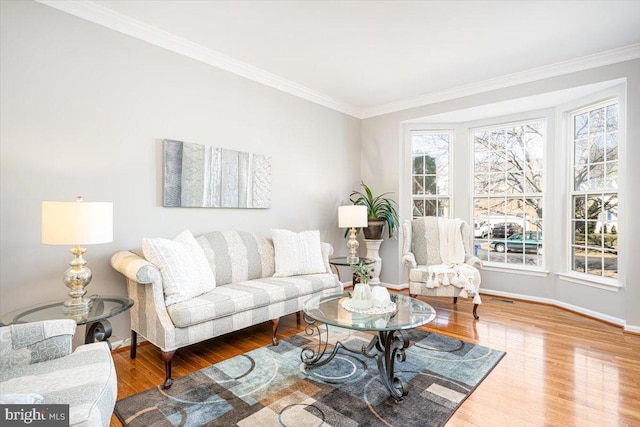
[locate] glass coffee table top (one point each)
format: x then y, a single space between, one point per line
409 313
102 307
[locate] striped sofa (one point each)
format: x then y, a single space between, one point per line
37 366
246 293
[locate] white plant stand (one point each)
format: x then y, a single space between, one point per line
373 248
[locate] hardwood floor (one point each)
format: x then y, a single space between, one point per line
561 368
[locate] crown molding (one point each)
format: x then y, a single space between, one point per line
118 22
599 59
134 28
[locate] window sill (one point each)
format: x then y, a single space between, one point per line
515 269
606 284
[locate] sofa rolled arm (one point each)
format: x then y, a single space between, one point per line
28 343
134 267
327 251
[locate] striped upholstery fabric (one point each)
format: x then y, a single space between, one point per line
421 248
246 293
236 256
84 379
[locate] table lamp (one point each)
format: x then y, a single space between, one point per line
352 216
77 223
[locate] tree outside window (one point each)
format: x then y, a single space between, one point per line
508 192
594 190
430 179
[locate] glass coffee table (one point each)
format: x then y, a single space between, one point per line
98 327
386 346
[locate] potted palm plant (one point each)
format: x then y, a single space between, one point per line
381 210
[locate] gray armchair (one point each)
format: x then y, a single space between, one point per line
37 366
426 243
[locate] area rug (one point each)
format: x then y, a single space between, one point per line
270 387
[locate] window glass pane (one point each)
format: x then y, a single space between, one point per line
596 121
443 185
418 208
430 170
481 184
578 259
515 183
612 147
533 182
430 184
611 171
418 185
443 207
579 233
418 165
594 262
580 152
596 176
580 123
612 117
596 149
430 208
581 178
578 207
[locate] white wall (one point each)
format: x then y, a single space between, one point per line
83 112
382 138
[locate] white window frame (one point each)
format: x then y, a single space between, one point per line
573 275
437 197
540 268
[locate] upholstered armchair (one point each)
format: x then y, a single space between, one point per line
437 255
38 367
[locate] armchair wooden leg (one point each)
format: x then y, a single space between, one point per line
274 326
298 316
475 314
134 343
455 300
167 356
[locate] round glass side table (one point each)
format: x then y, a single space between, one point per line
98 327
343 261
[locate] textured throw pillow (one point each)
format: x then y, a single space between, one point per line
183 265
297 253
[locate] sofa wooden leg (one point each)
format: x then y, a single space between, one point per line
298 316
274 326
475 314
134 343
455 300
167 356
413 295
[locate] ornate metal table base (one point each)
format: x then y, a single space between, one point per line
386 347
98 331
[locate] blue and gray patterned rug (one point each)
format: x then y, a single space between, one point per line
270 387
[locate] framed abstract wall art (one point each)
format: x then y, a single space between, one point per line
203 176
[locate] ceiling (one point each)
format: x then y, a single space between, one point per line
370 57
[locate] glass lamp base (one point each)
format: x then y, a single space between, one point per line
76 307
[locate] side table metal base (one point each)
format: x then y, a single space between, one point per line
98 331
386 347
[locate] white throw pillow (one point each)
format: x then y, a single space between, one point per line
183 265
297 253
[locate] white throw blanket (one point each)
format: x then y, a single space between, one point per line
451 246
453 271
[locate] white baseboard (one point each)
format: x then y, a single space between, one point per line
590 313
395 287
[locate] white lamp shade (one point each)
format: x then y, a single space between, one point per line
77 223
352 216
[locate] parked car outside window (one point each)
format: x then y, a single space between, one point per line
530 241
505 229
480 229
